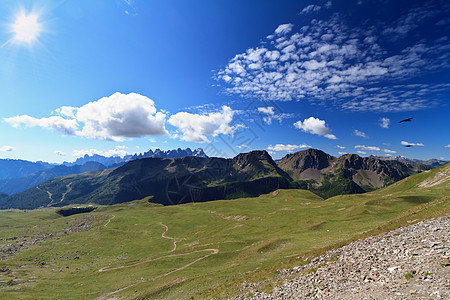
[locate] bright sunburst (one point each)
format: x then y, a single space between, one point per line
26 27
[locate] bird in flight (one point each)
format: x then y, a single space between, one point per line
406 120
408 146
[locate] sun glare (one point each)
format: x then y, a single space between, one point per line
26 28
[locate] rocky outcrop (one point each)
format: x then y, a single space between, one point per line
329 172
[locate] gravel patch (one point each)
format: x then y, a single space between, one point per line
408 263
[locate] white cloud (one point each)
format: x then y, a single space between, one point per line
243 146
361 152
118 151
7 148
284 29
373 148
197 128
342 153
389 151
288 147
370 148
310 8
350 66
384 122
315 126
121 115
269 114
109 118
447 146
340 147
60 153
411 144
359 133
66 126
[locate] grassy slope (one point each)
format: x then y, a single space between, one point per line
255 237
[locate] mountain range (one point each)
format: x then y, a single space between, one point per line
18 175
115 161
197 179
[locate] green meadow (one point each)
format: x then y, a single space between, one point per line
198 250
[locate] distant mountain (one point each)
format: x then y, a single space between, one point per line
198 179
15 168
430 162
3 195
169 181
16 185
177 153
329 176
116 161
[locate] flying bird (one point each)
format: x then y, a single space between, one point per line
406 120
408 145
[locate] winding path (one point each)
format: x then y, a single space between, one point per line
212 251
69 189
109 220
175 240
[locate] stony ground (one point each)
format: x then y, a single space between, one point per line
408 263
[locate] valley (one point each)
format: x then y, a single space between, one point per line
198 250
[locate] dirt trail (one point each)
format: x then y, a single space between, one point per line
109 220
175 240
69 189
212 251
49 195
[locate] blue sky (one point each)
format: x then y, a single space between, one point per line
117 77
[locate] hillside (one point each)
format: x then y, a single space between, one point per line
349 174
207 250
16 185
169 181
197 179
15 168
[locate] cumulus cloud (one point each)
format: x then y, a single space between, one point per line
197 128
268 114
7 148
359 133
121 115
342 153
66 126
310 9
315 126
351 66
404 143
109 118
374 148
370 148
340 147
384 122
361 152
60 153
283 29
118 151
288 147
447 146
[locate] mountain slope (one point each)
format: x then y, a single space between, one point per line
16 185
169 181
15 168
349 174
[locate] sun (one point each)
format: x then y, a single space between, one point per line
26 27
